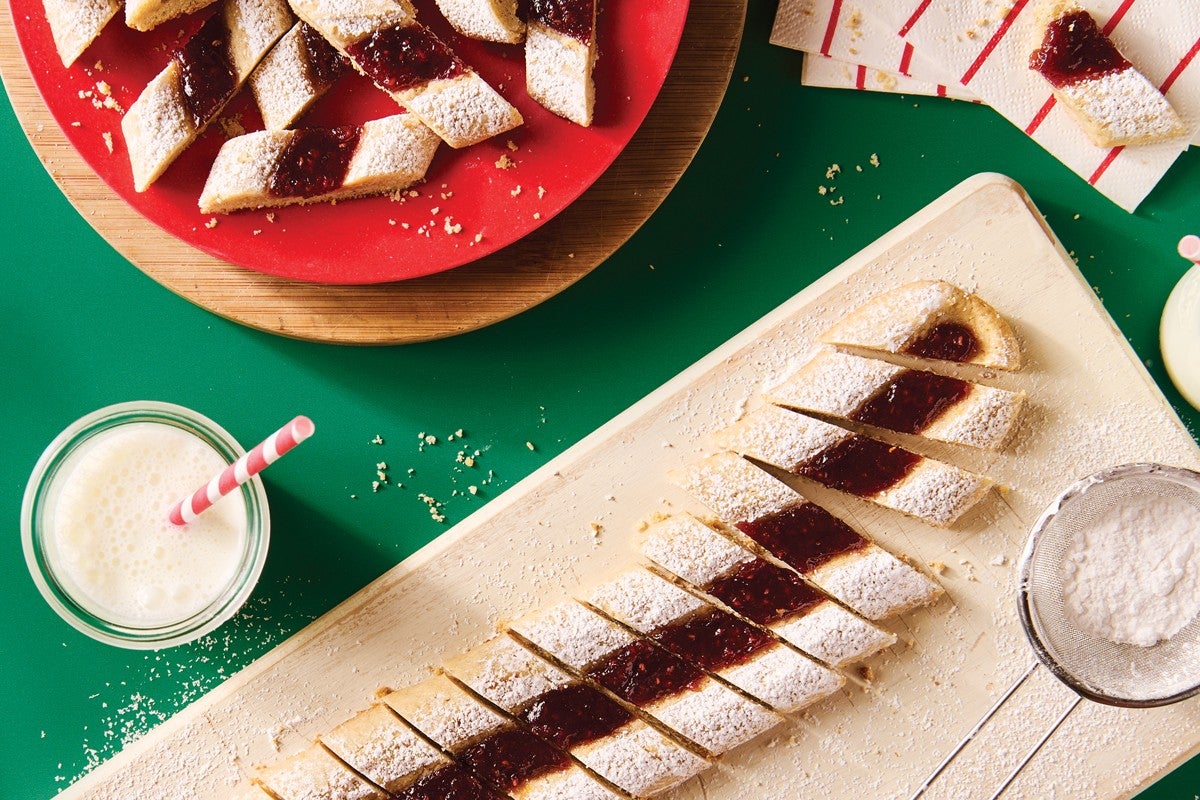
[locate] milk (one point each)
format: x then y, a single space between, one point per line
108 539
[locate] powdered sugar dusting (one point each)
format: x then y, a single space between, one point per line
714 716
832 634
784 679
1124 107
382 748
876 584
690 549
780 437
644 601
834 383
573 634
640 760
734 488
889 321
937 492
445 713
1133 575
506 673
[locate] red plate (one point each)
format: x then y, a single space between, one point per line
376 239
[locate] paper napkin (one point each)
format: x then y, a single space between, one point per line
832 73
986 44
854 33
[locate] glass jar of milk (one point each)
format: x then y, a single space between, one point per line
98 542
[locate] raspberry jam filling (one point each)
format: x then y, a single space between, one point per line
325 64
713 639
574 18
447 783
643 673
911 401
765 593
314 162
860 466
405 56
946 341
207 73
574 715
804 536
1074 49
512 757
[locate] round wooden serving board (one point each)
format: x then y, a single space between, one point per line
467 298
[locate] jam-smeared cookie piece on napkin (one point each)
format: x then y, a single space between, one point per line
1113 102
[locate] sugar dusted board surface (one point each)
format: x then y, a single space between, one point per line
1091 405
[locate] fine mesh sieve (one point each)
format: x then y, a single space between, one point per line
1100 670
1095 668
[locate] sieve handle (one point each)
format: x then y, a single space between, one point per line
924 787
1029 756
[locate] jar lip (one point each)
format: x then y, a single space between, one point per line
87 621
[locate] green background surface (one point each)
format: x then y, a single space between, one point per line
744 230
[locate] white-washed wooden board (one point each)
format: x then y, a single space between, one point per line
1093 405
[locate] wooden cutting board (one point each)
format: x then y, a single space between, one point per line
481 293
1092 406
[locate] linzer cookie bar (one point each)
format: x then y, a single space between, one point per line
294 74
492 747
75 24
859 465
202 76
596 730
490 20
746 656
702 711
904 400
309 165
773 597
560 55
384 750
421 72
828 552
934 320
316 774
1114 103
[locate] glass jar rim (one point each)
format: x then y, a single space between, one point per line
87 621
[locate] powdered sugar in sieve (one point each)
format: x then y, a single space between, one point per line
1109 594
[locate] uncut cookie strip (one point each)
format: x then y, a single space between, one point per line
934 320
275 168
824 549
492 747
316 774
75 24
746 656
884 474
560 55
702 711
904 400
294 74
418 70
773 597
202 76
596 730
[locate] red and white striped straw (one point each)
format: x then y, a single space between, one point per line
242 470
1189 248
